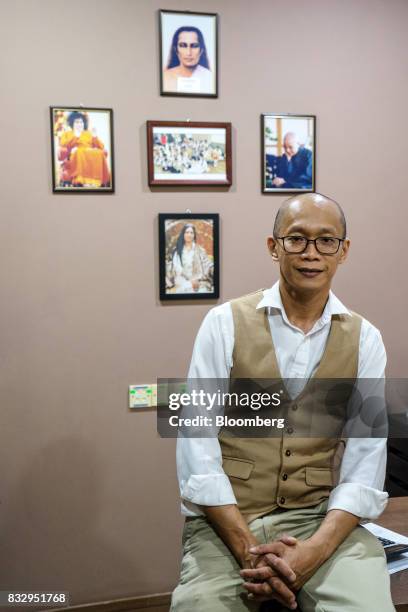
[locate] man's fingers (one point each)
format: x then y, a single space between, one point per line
259 588
264 572
263 590
278 587
263 549
259 573
286 595
288 539
281 567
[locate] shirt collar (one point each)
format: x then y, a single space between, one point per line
272 299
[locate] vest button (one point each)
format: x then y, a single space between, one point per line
284 476
290 430
282 500
288 453
294 407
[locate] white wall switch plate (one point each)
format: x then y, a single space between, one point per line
142 396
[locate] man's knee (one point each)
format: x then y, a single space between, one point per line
221 592
354 579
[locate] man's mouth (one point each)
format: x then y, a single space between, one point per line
310 272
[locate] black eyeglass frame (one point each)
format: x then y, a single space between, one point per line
314 240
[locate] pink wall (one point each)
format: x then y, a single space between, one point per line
88 491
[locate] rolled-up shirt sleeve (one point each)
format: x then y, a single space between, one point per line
202 481
360 488
362 472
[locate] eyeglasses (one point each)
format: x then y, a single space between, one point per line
323 245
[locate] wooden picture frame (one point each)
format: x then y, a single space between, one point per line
189 153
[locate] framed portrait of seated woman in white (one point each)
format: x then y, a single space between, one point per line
188 53
82 149
189 256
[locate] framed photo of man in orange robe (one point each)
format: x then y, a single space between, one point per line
82 150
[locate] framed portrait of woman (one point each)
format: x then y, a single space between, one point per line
82 149
189 256
288 153
188 53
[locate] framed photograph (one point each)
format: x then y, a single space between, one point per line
288 153
82 149
188 255
189 153
188 53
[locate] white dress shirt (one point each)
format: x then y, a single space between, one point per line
201 478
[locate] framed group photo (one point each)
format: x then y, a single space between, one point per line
189 256
188 53
189 153
288 153
82 149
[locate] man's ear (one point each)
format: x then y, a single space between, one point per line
344 251
272 244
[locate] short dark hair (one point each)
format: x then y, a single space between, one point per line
77 115
173 58
286 203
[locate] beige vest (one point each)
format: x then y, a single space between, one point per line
286 471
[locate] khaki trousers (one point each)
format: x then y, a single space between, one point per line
354 579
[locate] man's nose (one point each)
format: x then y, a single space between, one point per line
311 251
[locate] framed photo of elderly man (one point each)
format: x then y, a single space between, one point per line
189 153
288 153
82 149
189 256
188 53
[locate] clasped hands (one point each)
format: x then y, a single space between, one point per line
280 568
